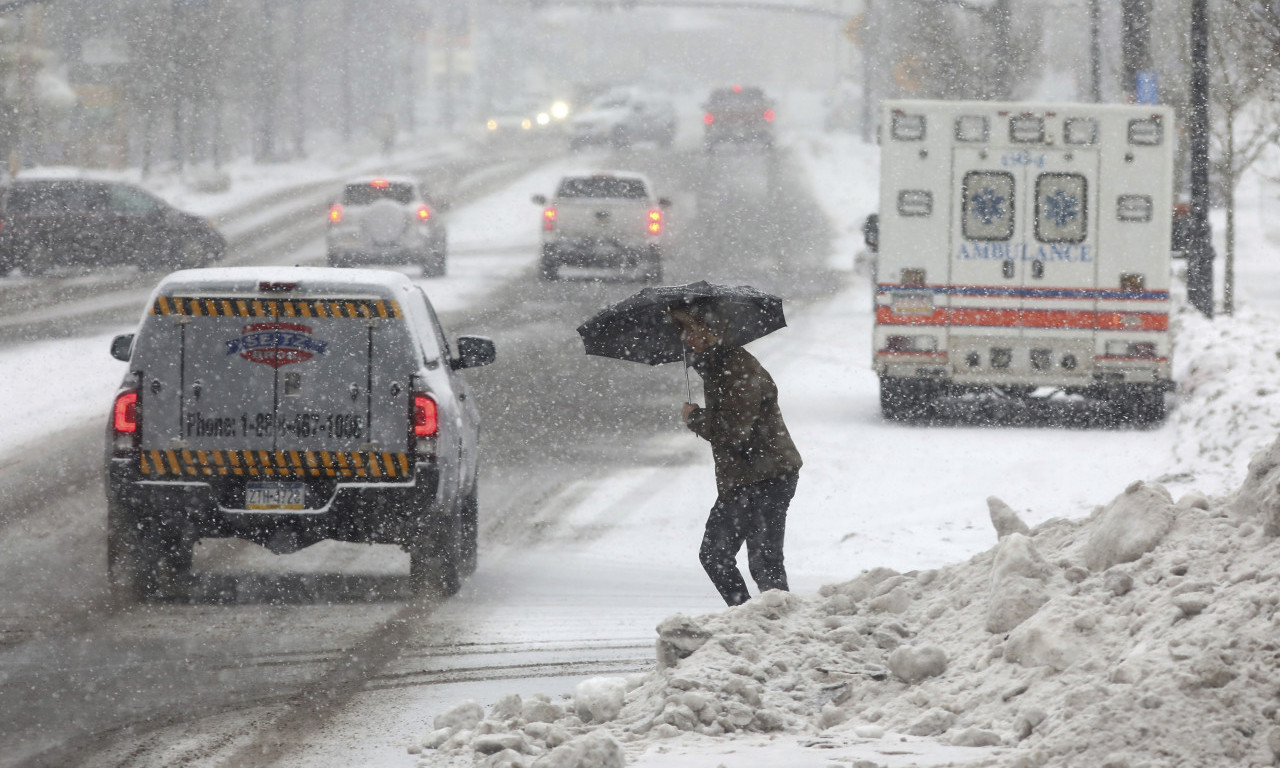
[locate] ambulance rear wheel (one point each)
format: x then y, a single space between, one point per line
905 400
1140 404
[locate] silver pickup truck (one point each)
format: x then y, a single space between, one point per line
607 219
285 406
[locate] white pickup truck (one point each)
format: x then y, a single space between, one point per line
606 219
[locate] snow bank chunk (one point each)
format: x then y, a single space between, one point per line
599 699
678 637
1133 524
463 716
594 750
1005 519
915 663
1041 642
507 758
1017 583
1259 496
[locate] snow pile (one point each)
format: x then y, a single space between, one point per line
1229 390
1146 634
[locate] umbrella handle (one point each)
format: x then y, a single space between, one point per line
687 383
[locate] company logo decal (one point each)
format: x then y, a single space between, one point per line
276 344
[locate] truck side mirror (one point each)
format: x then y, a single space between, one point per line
539 199
121 346
473 352
871 231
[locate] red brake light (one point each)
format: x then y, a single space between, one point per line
737 89
335 213
124 416
426 420
424 212
708 119
549 215
768 115
655 221
380 183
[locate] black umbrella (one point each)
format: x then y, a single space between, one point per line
639 328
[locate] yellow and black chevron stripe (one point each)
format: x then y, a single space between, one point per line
184 463
275 308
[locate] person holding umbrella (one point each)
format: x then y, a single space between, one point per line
756 463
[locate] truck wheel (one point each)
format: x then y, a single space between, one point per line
905 400
549 266
653 266
122 553
433 265
1140 404
435 557
335 259
470 524
151 560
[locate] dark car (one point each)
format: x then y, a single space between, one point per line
46 224
740 115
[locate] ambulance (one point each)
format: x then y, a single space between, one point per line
1024 248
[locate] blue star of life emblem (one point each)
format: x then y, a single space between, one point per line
1061 208
987 205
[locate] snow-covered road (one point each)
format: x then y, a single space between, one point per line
615 554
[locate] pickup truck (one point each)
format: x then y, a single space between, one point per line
607 219
285 406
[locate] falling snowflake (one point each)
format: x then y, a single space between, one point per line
987 205
1061 208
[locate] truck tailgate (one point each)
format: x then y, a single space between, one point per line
296 387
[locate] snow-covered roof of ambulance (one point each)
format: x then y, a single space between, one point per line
308 280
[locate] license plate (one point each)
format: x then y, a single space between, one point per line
275 495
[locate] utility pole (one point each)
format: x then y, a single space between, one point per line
1199 245
1001 25
870 31
1136 43
1095 52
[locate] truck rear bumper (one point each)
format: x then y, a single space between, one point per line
375 513
599 253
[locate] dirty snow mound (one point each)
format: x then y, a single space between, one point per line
1144 635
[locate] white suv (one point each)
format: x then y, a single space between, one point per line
606 219
387 220
623 116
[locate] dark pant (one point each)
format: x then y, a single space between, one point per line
757 515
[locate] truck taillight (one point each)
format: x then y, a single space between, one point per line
708 119
655 221
549 215
124 417
423 212
124 423
768 115
426 419
335 213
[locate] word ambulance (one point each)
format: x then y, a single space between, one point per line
1021 247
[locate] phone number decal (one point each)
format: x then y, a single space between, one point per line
330 425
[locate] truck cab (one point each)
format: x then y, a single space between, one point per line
1024 246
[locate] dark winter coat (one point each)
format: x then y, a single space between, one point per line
741 420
